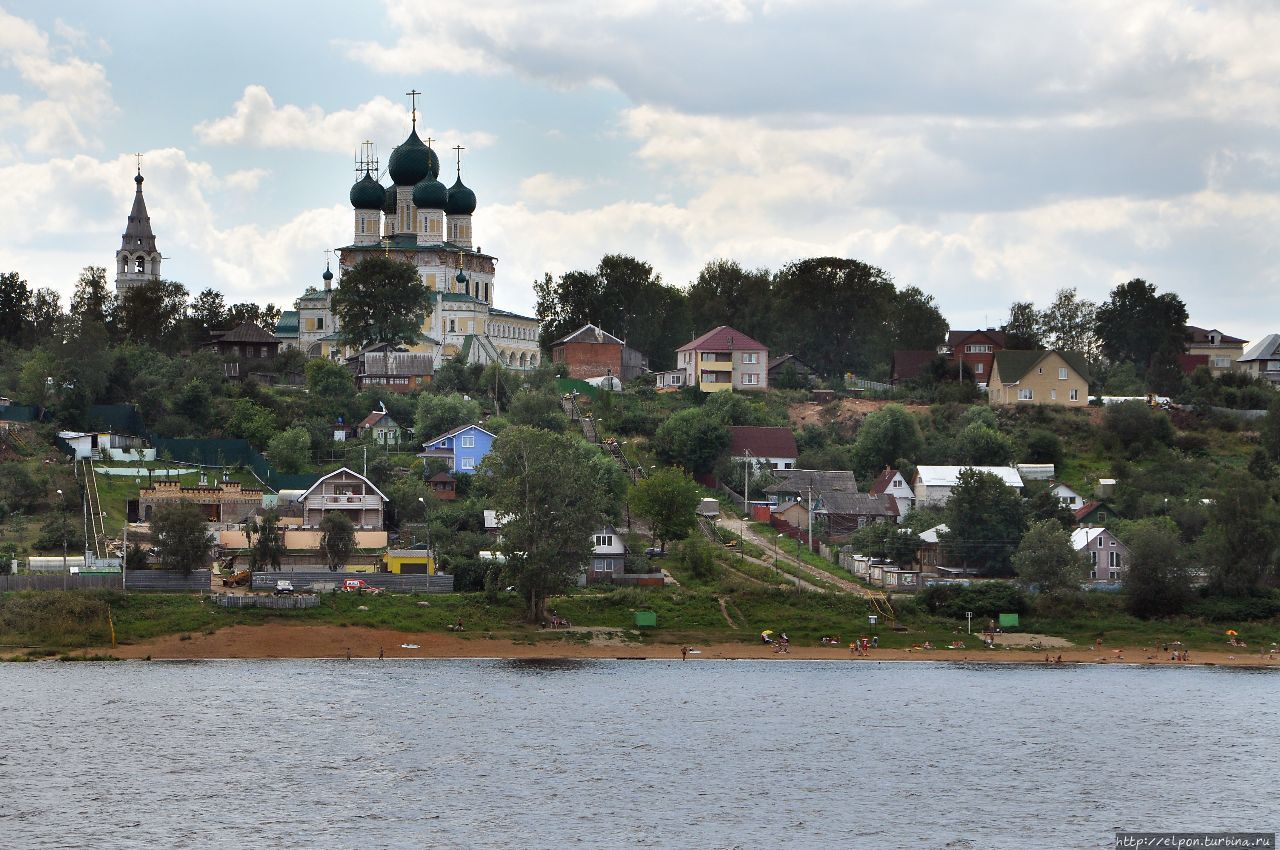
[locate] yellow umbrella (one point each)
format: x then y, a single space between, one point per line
767 632
1232 632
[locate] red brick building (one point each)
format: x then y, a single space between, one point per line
590 352
976 349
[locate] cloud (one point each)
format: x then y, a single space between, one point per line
74 95
1087 60
83 201
256 121
246 180
549 189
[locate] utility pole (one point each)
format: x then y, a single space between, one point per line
810 517
746 484
124 554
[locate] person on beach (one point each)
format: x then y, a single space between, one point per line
875 641
381 653
348 653
684 653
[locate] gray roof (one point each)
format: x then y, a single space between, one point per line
1263 349
821 480
396 363
855 504
590 334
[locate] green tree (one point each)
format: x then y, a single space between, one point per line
381 300
1156 582
337 539
1045 559
1022 330
92 301
247 420
1270 431
15 306
555 492
208 314
1070 323
46 320
666 500
331 385
1134 427
182 536
152 314
986 520
290 450
439 414
698 559
1138 326
834 314
727 294
1042 446
537 410
266 543
1240 544
916 322
981 445
19 490
884 436
691 439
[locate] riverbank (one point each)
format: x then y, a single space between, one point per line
285 640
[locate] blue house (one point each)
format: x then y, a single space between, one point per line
463 448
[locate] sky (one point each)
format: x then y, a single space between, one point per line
986 152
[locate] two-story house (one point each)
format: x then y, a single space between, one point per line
1218 350
720 359
381 427
1262 360
1105 555
244 348
976 350
1039 377
463 448
347 492
891 481
590 352
608 557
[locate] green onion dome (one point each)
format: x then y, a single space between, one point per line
462 201
430 194
328 275
413 162
461 278
367 193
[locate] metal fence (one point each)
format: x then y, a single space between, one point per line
165 580
384 581
305 600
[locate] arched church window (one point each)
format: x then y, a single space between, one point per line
139 265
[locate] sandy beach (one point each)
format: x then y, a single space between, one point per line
278 640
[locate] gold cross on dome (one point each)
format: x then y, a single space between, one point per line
412 94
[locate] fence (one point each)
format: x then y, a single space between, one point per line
213 452
864 384
164 580
306 600
384 581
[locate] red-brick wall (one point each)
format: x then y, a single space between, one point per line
589 359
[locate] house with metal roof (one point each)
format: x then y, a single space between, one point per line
723 359
764 444
1105 555
1039 377
1262 359
933 484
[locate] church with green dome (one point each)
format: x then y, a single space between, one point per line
418 219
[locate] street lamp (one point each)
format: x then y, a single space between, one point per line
777 552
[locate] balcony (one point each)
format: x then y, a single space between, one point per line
343 502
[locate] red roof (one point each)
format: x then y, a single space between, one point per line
723 338
1200 336
955 338
372 419
1086 509
882 481
761 441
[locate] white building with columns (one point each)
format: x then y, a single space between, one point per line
421 221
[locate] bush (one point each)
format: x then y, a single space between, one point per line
985 599
1230 609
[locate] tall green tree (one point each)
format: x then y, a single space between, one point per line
266 542
1023 329
337 539
208 314
1137 326
1240 544
727 294
835 314
152 314
986 520
381 300
916 322
1270 430
182 536
1070 323
1156 582
15 306
555 492
92 301
1046 560
290 450
46 321
666 500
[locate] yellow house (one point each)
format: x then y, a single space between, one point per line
721 359
1039 377
410 562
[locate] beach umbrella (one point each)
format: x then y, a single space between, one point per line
1232 632
767 632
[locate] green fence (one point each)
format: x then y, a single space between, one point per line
214 452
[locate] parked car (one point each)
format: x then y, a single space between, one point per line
654 552
358 585
284 587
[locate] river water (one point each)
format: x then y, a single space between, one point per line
605 754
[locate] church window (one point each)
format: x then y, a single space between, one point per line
452 328
362 224
139 265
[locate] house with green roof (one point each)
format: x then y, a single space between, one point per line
1039 377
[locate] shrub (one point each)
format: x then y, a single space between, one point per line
985 599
